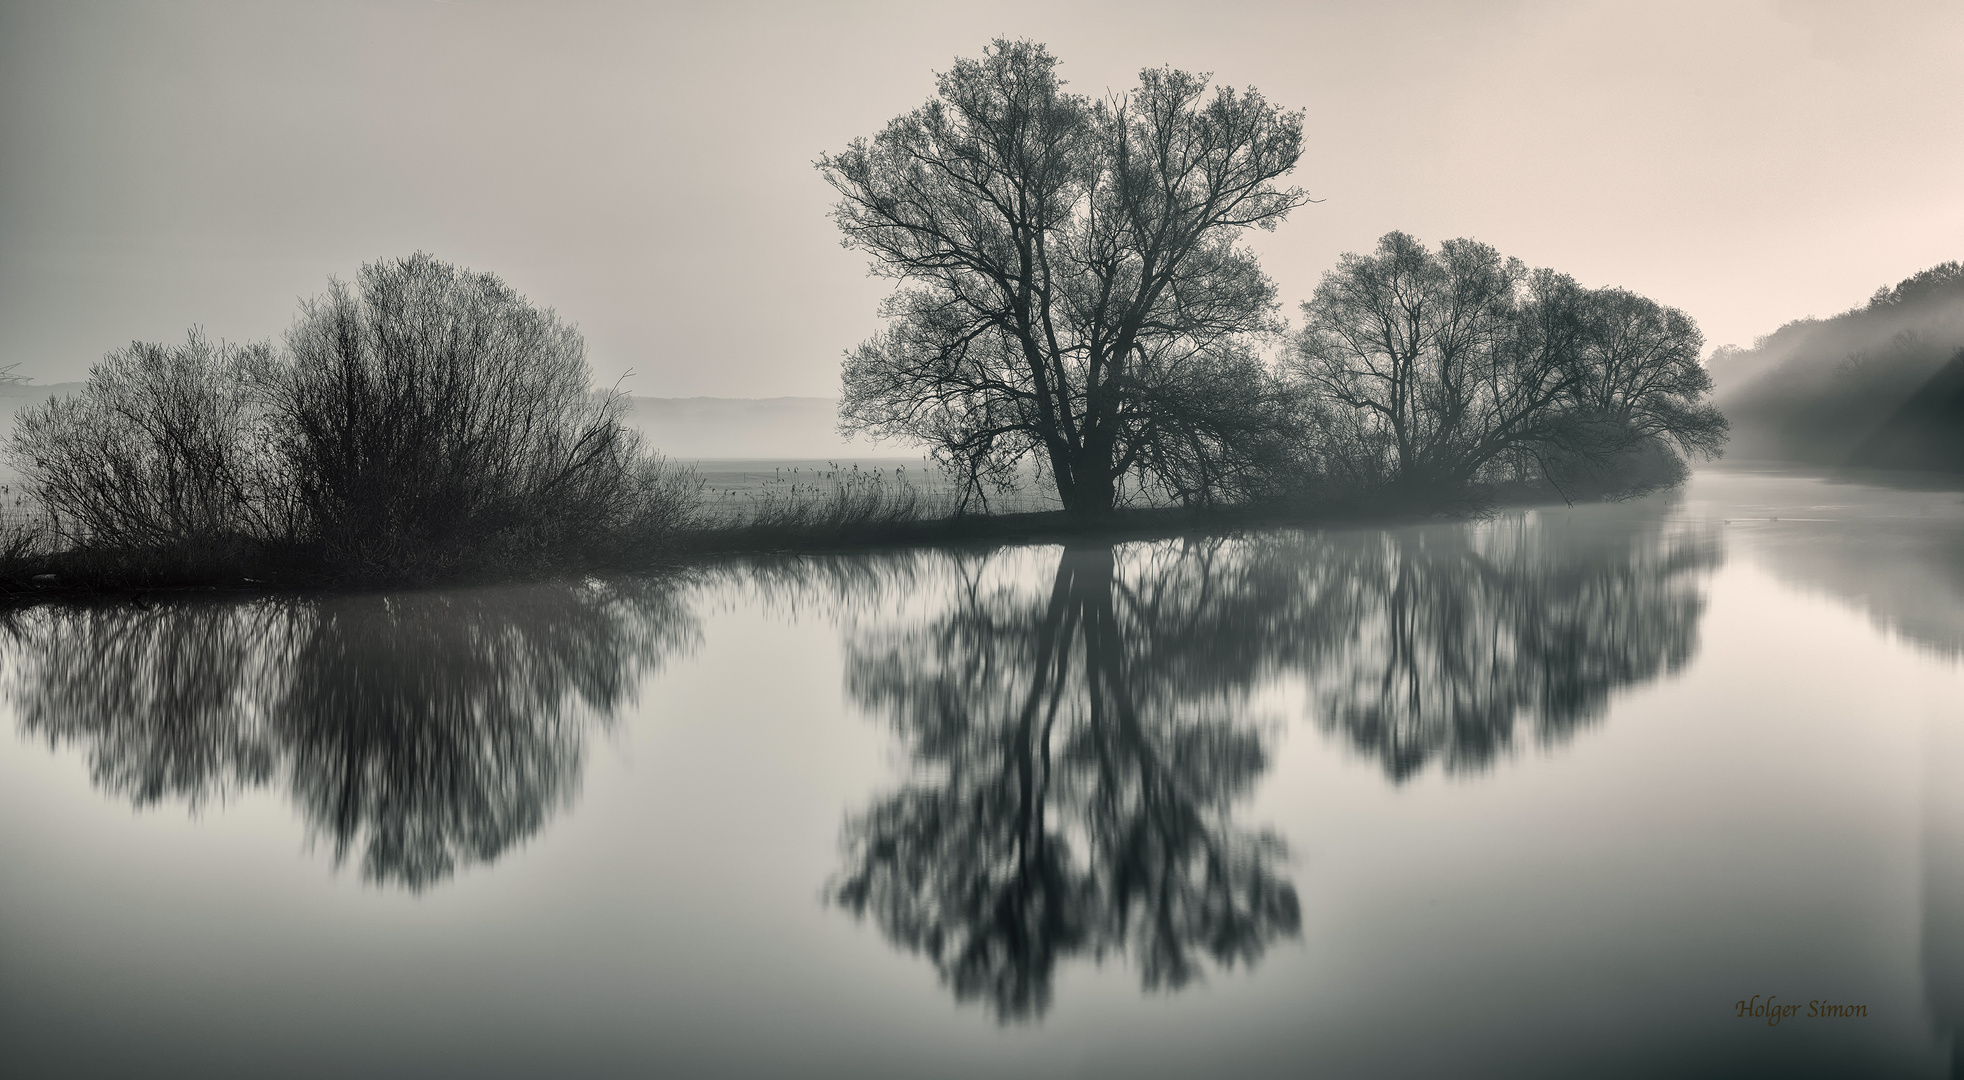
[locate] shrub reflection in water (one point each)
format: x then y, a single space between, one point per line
428 730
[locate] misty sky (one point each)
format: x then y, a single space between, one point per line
646 168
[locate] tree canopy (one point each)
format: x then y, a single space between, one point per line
1438 368
1070 285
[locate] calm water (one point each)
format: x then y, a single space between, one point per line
1544 795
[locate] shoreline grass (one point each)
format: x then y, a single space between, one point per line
853 517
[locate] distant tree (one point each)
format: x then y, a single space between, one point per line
1432 368
1944 281
1830 391
1072 288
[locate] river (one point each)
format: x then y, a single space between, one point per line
1567 791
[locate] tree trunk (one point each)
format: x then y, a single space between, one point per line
1063 471
1093 493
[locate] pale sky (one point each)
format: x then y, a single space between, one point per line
646 168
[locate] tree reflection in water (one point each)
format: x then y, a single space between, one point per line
429 730
1077 754
1083 760
1440 643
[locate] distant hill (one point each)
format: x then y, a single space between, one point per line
1829 391
1927 432
16 396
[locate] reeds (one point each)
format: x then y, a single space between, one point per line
840 506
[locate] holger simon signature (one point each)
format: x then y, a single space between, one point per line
1773 1013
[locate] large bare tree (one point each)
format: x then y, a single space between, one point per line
1069 282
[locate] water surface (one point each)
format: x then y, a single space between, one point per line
1540 795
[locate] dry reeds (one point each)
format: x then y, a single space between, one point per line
845 506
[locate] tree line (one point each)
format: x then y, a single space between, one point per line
1072 295
1072 292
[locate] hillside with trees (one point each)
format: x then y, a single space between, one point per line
1876 385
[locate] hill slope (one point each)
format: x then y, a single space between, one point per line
1821 390
1927 432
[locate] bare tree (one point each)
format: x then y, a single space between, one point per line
1070 275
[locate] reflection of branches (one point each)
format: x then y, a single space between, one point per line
432 729
1079 752
166 698
839 584
1457 635
1048 728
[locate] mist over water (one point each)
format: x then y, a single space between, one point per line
1392 799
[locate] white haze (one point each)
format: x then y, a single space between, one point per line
646 168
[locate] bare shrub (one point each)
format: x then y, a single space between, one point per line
429 421
161 447
432 415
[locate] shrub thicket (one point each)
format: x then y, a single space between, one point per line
427 422
159 457
432 416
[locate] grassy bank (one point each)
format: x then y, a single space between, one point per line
671 522
853 516
828 525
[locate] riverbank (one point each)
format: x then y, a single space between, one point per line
849 519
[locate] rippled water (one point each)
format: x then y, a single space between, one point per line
1543 795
